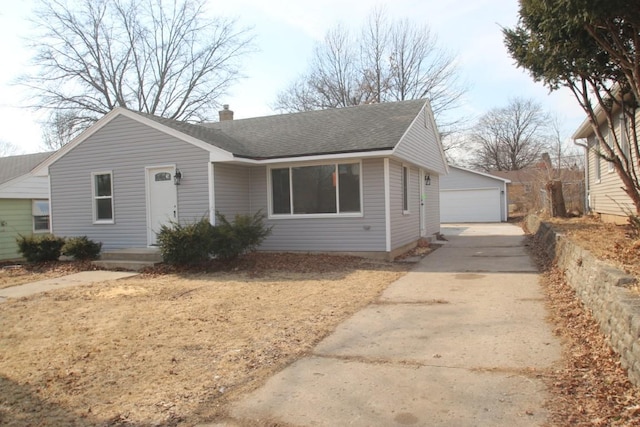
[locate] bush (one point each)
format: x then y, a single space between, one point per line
40 248
81 248
186 244
245 234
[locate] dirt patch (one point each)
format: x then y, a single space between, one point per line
591 388
172 349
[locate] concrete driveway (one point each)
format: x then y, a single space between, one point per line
458 341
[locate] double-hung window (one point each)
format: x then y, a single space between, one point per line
405 189
596 150
323 189
102 187
611 142
40 213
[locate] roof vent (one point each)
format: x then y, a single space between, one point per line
225 113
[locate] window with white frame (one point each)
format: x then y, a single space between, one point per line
612 144
405 189
316 189
102 197
624 136
40 213
596 150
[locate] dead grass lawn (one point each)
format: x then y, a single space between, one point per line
172 349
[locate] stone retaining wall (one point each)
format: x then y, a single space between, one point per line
602 288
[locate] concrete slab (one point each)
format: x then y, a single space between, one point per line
455 342
76 279
328 392
476 327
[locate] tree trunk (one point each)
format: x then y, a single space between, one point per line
556 199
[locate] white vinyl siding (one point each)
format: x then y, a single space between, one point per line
125 147
606 195
364 232
26 187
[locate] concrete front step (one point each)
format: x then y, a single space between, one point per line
132 254
133 259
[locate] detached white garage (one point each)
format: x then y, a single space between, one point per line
470 196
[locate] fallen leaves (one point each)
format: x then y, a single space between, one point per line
591 388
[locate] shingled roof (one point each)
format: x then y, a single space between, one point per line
361 128
14 166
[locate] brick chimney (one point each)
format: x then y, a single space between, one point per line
225 113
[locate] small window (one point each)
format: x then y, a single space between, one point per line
596 151
40 212
611 143
163 176
103 197
405 189
624 136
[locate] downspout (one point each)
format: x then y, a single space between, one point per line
387 205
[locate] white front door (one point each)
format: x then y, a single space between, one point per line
162 200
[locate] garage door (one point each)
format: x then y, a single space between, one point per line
481 205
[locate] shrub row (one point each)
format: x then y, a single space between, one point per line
42 248
199 241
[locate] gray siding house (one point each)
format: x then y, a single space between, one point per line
350 180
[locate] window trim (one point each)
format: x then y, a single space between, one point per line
597 166
405 188
291 215
94 198
33 217
611 143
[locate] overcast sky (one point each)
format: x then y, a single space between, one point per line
286 32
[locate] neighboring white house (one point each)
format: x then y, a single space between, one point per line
605 195
339 180
24 201
471 196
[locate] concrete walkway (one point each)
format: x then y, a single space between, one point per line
75 279
455 342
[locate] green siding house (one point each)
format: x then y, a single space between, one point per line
24 201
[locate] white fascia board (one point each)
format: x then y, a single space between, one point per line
321 157
506 181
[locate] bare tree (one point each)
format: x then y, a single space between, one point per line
511 137
60 128
8 149
386 62
160 57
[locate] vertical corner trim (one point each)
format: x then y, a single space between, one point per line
387 204
212 194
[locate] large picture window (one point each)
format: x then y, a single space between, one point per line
103 197
316 189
